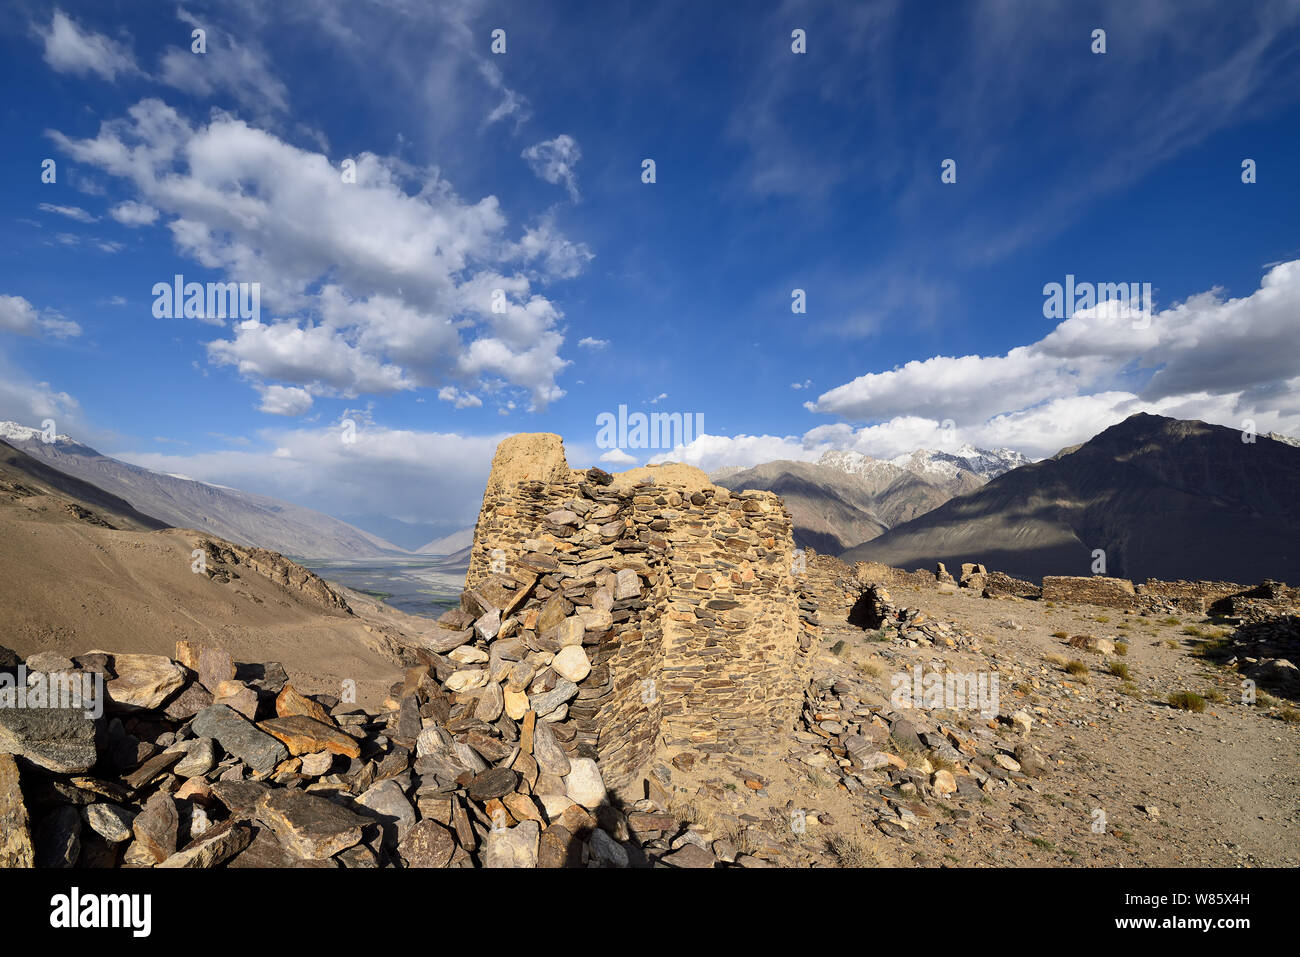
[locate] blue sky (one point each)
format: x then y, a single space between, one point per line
522 171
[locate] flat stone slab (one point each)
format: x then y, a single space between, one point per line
309 826
57 739
304 735
240 737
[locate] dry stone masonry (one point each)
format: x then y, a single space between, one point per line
684 594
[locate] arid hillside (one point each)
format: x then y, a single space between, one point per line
82 570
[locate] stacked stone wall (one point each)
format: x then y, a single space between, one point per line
710 651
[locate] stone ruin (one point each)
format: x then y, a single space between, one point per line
686 599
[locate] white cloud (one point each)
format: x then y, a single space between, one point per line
316 355
284 400
555 160
405 474
618 457
1219 360
230 66
131 213
1242 349
709 452
72 212
462 400
70 49
409 266
595 345
20 316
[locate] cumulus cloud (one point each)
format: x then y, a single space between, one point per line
316 355
618 457
400 271
555 160
462 400
131 213
20 316
1241 352
595 345
1217 359
71 49
284 400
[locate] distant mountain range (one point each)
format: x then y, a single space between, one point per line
449 544
240 517
1163 498
846 498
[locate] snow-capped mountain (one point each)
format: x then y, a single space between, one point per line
986 463
929 464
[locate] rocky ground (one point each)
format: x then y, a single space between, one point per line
474 758
1078 766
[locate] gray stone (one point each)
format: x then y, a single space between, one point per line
309 826
550 757
387 803
548 701
200 757
58 739
607 851
110 822
238 736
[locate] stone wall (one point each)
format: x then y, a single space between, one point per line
1191 597
876 573
1094 590
711 651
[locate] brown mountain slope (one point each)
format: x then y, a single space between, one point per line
80 570
1164 498
22 476
831 510
232 514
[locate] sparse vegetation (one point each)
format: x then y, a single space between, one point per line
1076 668
1121 648
1186 701
1061 634
1119 669
1214 695
851 851
1170 621
1171 643
1289 715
